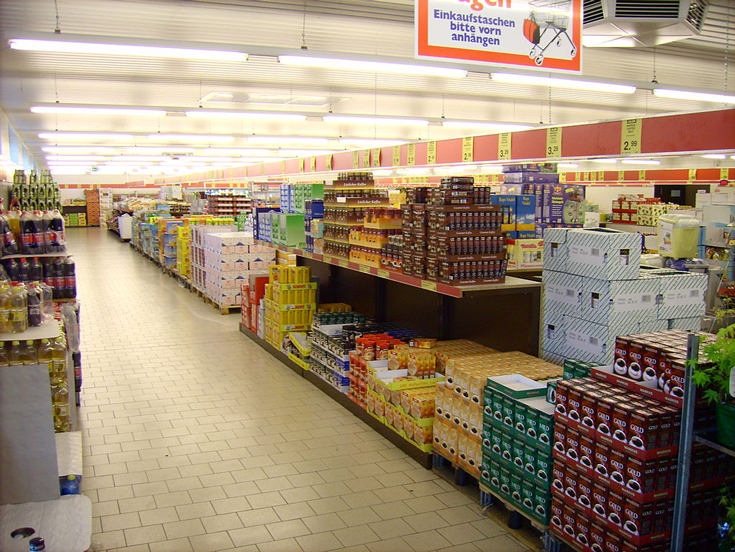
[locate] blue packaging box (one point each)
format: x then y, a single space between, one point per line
526 212
509 206
531 178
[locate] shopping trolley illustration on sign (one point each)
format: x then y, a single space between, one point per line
547 18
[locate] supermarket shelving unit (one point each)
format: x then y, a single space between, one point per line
503 316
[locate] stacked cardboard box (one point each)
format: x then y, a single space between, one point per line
229 259
289 303
595 291
93 206
168 238
183 253
198 254
615 464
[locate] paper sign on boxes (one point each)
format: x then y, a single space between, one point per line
583 314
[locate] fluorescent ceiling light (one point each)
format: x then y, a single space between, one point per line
416 171
567 165
303 152
302 140
492 169
139 158
499 127
514 78
84 135
191 138
75 158
98 111
75 150
96 48
372 66
382 172
234 151
732 157
633 161
604 160
251 115
191 158
696 96
374 142
374 120
714 156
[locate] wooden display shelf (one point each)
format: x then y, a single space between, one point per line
423 458
510 283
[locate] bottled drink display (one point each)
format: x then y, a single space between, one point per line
70 280
16 315
35 311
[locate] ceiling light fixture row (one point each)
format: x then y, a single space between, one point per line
97 45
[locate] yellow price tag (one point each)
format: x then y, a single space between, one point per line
641 175
313 164
262 169
283 167
630 139
621 175
495 178
600 176
376 157
468 149
365 269
365 158
692 174
383 273
425 284
355 159
563 177
343 263
329 162
586 176
396 155
301 164
553 142
724 173
431 153
411 155
504 146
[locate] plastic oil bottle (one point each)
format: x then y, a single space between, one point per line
18 319
26 352
6 309
58 356
44 356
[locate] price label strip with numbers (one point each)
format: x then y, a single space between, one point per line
504 140
553 142
468 149
630 139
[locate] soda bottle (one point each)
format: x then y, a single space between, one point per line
35 315
70 279
24 269
35 271
55 233
58 276
41 227
18 319
14 223
47 300
4 278
27 232
48 234
44 357
12 268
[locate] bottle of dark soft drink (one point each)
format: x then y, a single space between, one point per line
70 279
55 233
24 269
58 278
35 272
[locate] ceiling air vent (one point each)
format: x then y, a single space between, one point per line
630 23
592 11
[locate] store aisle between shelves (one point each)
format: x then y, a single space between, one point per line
195 439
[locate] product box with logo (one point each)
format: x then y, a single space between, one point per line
591 342
609 301
525 254
603 253
681 293
562 292
556 252
561 203
526 212
508 205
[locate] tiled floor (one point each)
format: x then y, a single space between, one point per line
197 440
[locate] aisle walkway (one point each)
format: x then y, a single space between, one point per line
195 439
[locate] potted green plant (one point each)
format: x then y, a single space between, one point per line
712 375
727 523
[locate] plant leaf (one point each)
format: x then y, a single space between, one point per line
711 396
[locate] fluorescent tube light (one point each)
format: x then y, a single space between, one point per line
75 150
251 115
374 120
96 48
302 140
84 135
383 172
416 171
303 152
633 161
513 78
192 138
235 151
568 165
372 66
696 96
374 142
714 156
75 158
604 160
98 111
499 127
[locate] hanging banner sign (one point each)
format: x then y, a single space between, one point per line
468 149
376 157
539 34
504 152
553 142
630 137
